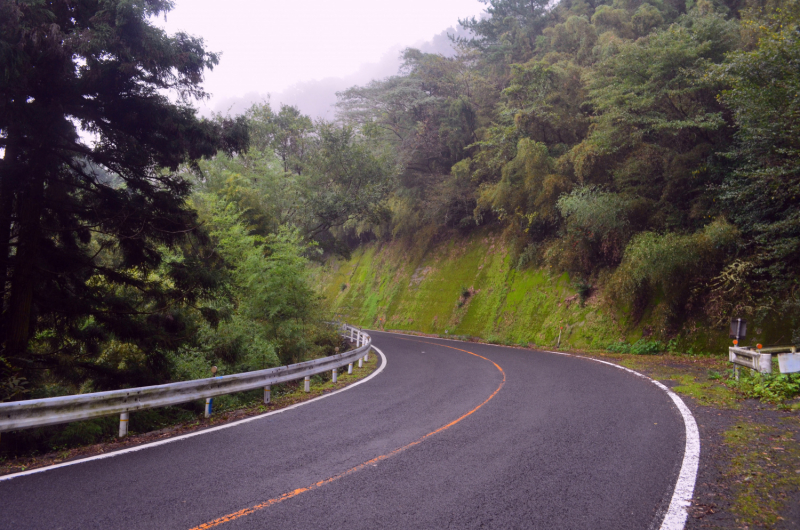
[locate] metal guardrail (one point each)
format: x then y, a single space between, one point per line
761 359
64 409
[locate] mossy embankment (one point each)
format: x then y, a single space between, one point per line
470 285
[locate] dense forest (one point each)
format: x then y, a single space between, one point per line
650 149
142 244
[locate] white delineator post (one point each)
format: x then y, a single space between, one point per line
307 385
267 393
123 425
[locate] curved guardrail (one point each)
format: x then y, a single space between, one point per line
760 359
64 409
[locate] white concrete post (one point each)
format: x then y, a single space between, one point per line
366 357
307 386
208 407
361 362
334 374
123 425
267 393
350 368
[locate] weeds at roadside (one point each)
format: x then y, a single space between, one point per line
640 347
762 471
772 388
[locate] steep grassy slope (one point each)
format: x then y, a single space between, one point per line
466 286
470 286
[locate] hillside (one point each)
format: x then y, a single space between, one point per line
471 286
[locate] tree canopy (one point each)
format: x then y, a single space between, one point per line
599 134
89 188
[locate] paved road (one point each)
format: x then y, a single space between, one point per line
551 442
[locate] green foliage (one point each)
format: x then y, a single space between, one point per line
640 347
774 388
509 33
584 290
763 193
671 265
84 217
600 221
652 144
528 256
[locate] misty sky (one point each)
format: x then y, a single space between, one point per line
300 50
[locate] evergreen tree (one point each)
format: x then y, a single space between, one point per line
89 191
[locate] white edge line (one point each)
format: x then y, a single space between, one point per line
676 514
675 517
198 433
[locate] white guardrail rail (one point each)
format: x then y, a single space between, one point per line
760 359
64 409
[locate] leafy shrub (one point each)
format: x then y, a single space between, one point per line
584 290
597 223
640 347
773 388
671 264
527 256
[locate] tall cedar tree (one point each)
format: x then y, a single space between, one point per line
83 215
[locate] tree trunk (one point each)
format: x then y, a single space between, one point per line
9 182
30 203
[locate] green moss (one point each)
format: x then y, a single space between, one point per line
419 286
762 471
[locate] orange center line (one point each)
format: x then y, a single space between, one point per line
286 496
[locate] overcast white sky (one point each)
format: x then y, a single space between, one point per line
270 46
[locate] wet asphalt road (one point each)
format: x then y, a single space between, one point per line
563 443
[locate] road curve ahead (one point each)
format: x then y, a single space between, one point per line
448 435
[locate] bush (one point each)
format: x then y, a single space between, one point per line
584 290
599 220
773 388
640 347
671 264
527 256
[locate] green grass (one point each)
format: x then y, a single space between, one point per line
762 472
404 288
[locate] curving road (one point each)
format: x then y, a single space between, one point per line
448 435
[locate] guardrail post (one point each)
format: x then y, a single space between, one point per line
361 362
51 411
334 374
366 357
307 385
123 425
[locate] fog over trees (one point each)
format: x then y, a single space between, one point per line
317 98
